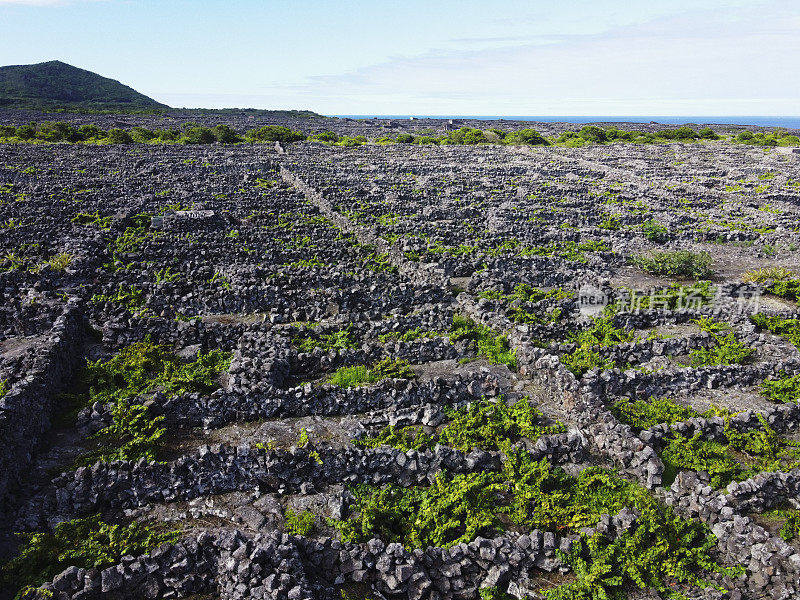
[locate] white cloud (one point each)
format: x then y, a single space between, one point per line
713 62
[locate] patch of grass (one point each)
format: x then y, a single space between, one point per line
674 297
130 297
60 262
768 274
790 529
643 414
86 543
676 263
735 457
361 375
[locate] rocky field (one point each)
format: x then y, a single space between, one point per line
401 371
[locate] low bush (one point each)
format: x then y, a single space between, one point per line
299 523
85 543
785 389
360 375
676 263
727 349
491 346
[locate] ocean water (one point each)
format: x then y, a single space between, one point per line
786 122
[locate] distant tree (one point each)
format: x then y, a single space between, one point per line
225 135
58 131
684 133
594 134
426 139
325 136
744 136
90 132
142 135
706 133
530 137
119 136
27 132
405 138
198 135
274 133
8 131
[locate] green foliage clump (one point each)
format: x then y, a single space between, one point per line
407 336
299 523
791 526
92 219
655 231
336 340
768 273
785 389
402 438
602 333
495 348
359 375
133 434
658 548
676 296
86 543
491 425
452 510
144 366
130 297
643 414
788 328
135 370
736 457
485 424
3 388
676 263
528 137
727 350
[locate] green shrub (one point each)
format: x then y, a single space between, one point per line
785 389
118 136
791 526
407 336
85 543
706 133
727 349
675 296
643 414
327 137
787 328
134 433
274 133
655 231
405 138
360 375
676 263
145 366
593 134
528 137
301 523
495 348
336 340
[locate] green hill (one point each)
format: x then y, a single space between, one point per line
56 84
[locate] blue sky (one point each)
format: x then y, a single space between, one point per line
506 57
